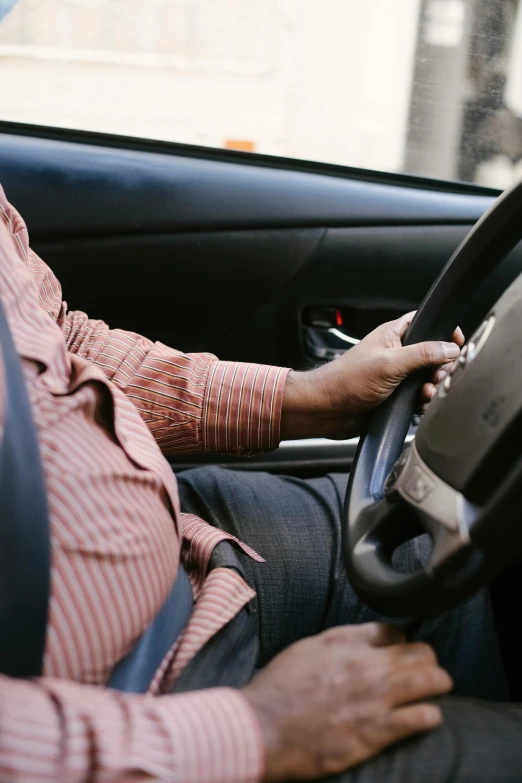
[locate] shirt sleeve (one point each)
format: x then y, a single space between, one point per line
56 730
190 402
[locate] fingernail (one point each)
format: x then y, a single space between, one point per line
450 350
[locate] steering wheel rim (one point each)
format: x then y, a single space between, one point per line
366 551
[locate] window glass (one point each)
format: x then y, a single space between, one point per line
429 87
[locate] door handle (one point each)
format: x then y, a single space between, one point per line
326 343
327 330
343 336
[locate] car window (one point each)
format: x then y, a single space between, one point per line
428 87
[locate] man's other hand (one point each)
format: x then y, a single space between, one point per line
332 401
335 700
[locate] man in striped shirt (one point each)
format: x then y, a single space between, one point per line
106 404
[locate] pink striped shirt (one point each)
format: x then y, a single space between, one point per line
106 403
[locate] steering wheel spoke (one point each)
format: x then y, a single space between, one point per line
442 508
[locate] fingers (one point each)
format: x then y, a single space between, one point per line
429 389
415 653
378 634
458 337
440 374
405 722
427 393
372 634
427 354
399 724
411 684
408 656
414 719
400 326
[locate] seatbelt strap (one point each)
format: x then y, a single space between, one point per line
24 527
135 672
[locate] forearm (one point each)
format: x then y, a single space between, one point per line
309 412
56 730
190 402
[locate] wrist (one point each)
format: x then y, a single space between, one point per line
298 406
275 752
309 409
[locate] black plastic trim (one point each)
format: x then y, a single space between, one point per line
98 191
138 144
305 457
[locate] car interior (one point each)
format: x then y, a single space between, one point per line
290 259
293 261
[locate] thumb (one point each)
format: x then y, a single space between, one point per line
427 354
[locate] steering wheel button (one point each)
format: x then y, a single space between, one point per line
482 334
418 485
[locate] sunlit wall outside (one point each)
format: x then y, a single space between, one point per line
384 84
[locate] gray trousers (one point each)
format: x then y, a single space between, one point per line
302 589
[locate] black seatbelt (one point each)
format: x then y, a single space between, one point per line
24 527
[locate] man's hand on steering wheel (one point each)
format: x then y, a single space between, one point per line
332 401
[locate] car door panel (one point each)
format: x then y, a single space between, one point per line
373 270
211 250
185 289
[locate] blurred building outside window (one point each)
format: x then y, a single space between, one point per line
429 87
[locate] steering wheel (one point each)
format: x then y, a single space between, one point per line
460 479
